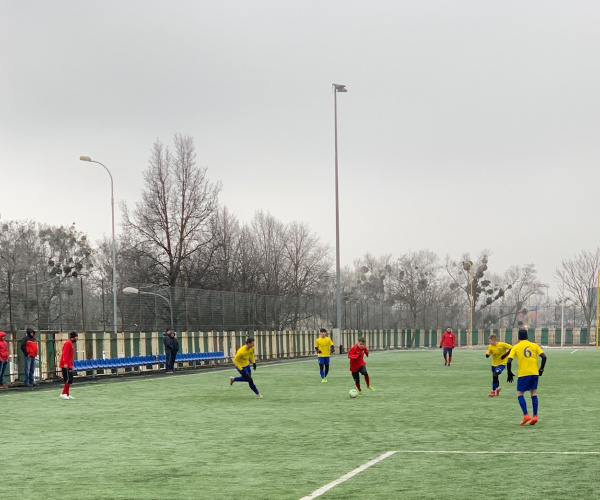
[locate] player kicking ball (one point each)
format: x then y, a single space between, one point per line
357 364
499 352
527 353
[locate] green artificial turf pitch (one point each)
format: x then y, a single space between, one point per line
192 436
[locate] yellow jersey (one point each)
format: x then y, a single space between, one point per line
496 351
243 356
323 344
526 353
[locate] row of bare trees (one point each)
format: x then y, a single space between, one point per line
178 236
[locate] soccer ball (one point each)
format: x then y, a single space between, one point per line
353 393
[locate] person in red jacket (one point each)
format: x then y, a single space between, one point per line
358 365
29 346
3 358
448 341
66 364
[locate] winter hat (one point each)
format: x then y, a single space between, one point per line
30 331
523 334
72 335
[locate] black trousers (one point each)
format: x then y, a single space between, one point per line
67 374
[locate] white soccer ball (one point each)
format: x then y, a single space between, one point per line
353 393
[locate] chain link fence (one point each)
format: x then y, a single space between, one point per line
87 305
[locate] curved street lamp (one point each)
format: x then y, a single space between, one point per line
131 291
114 258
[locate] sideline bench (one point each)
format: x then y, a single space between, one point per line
109 363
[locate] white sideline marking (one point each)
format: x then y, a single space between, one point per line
459 452
573 351
345 477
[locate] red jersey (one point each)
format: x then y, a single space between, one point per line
356 355
448 339
3 347
68 352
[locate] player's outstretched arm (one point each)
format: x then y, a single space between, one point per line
544 359
510 376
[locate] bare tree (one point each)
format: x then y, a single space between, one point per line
171 222
413 281
477 283
579 276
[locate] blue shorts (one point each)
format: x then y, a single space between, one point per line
527 383
448 350
498 369
323 360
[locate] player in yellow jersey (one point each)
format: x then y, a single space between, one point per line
323 346
527 353
498 351
243 357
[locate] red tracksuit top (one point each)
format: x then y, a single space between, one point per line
356 355
448 339
68 352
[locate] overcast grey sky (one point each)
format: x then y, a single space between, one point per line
467 124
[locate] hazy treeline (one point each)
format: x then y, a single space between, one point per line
179 235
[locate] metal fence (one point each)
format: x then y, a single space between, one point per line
270 345
87 305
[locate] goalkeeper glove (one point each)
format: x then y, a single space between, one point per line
511 377
487 355
254 366
541 371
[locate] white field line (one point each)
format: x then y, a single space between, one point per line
573 351
345 477
358 470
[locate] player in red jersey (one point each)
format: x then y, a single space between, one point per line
357 364
448 341
66 364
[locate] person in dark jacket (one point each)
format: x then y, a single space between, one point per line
174 350
3 358
29 346
171 347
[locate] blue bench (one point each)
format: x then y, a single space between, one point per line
110 363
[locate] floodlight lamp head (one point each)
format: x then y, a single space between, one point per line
130 290
85 158
340 88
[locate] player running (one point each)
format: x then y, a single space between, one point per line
358 365
323 346
242 359
528 374
448 341
498 351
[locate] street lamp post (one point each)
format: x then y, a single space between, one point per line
114 258
338 292
470 264
131 290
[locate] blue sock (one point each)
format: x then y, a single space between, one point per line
523 404
495 386
322 371
253 387
534 402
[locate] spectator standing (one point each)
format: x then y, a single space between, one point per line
29 346
3 358
174 350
